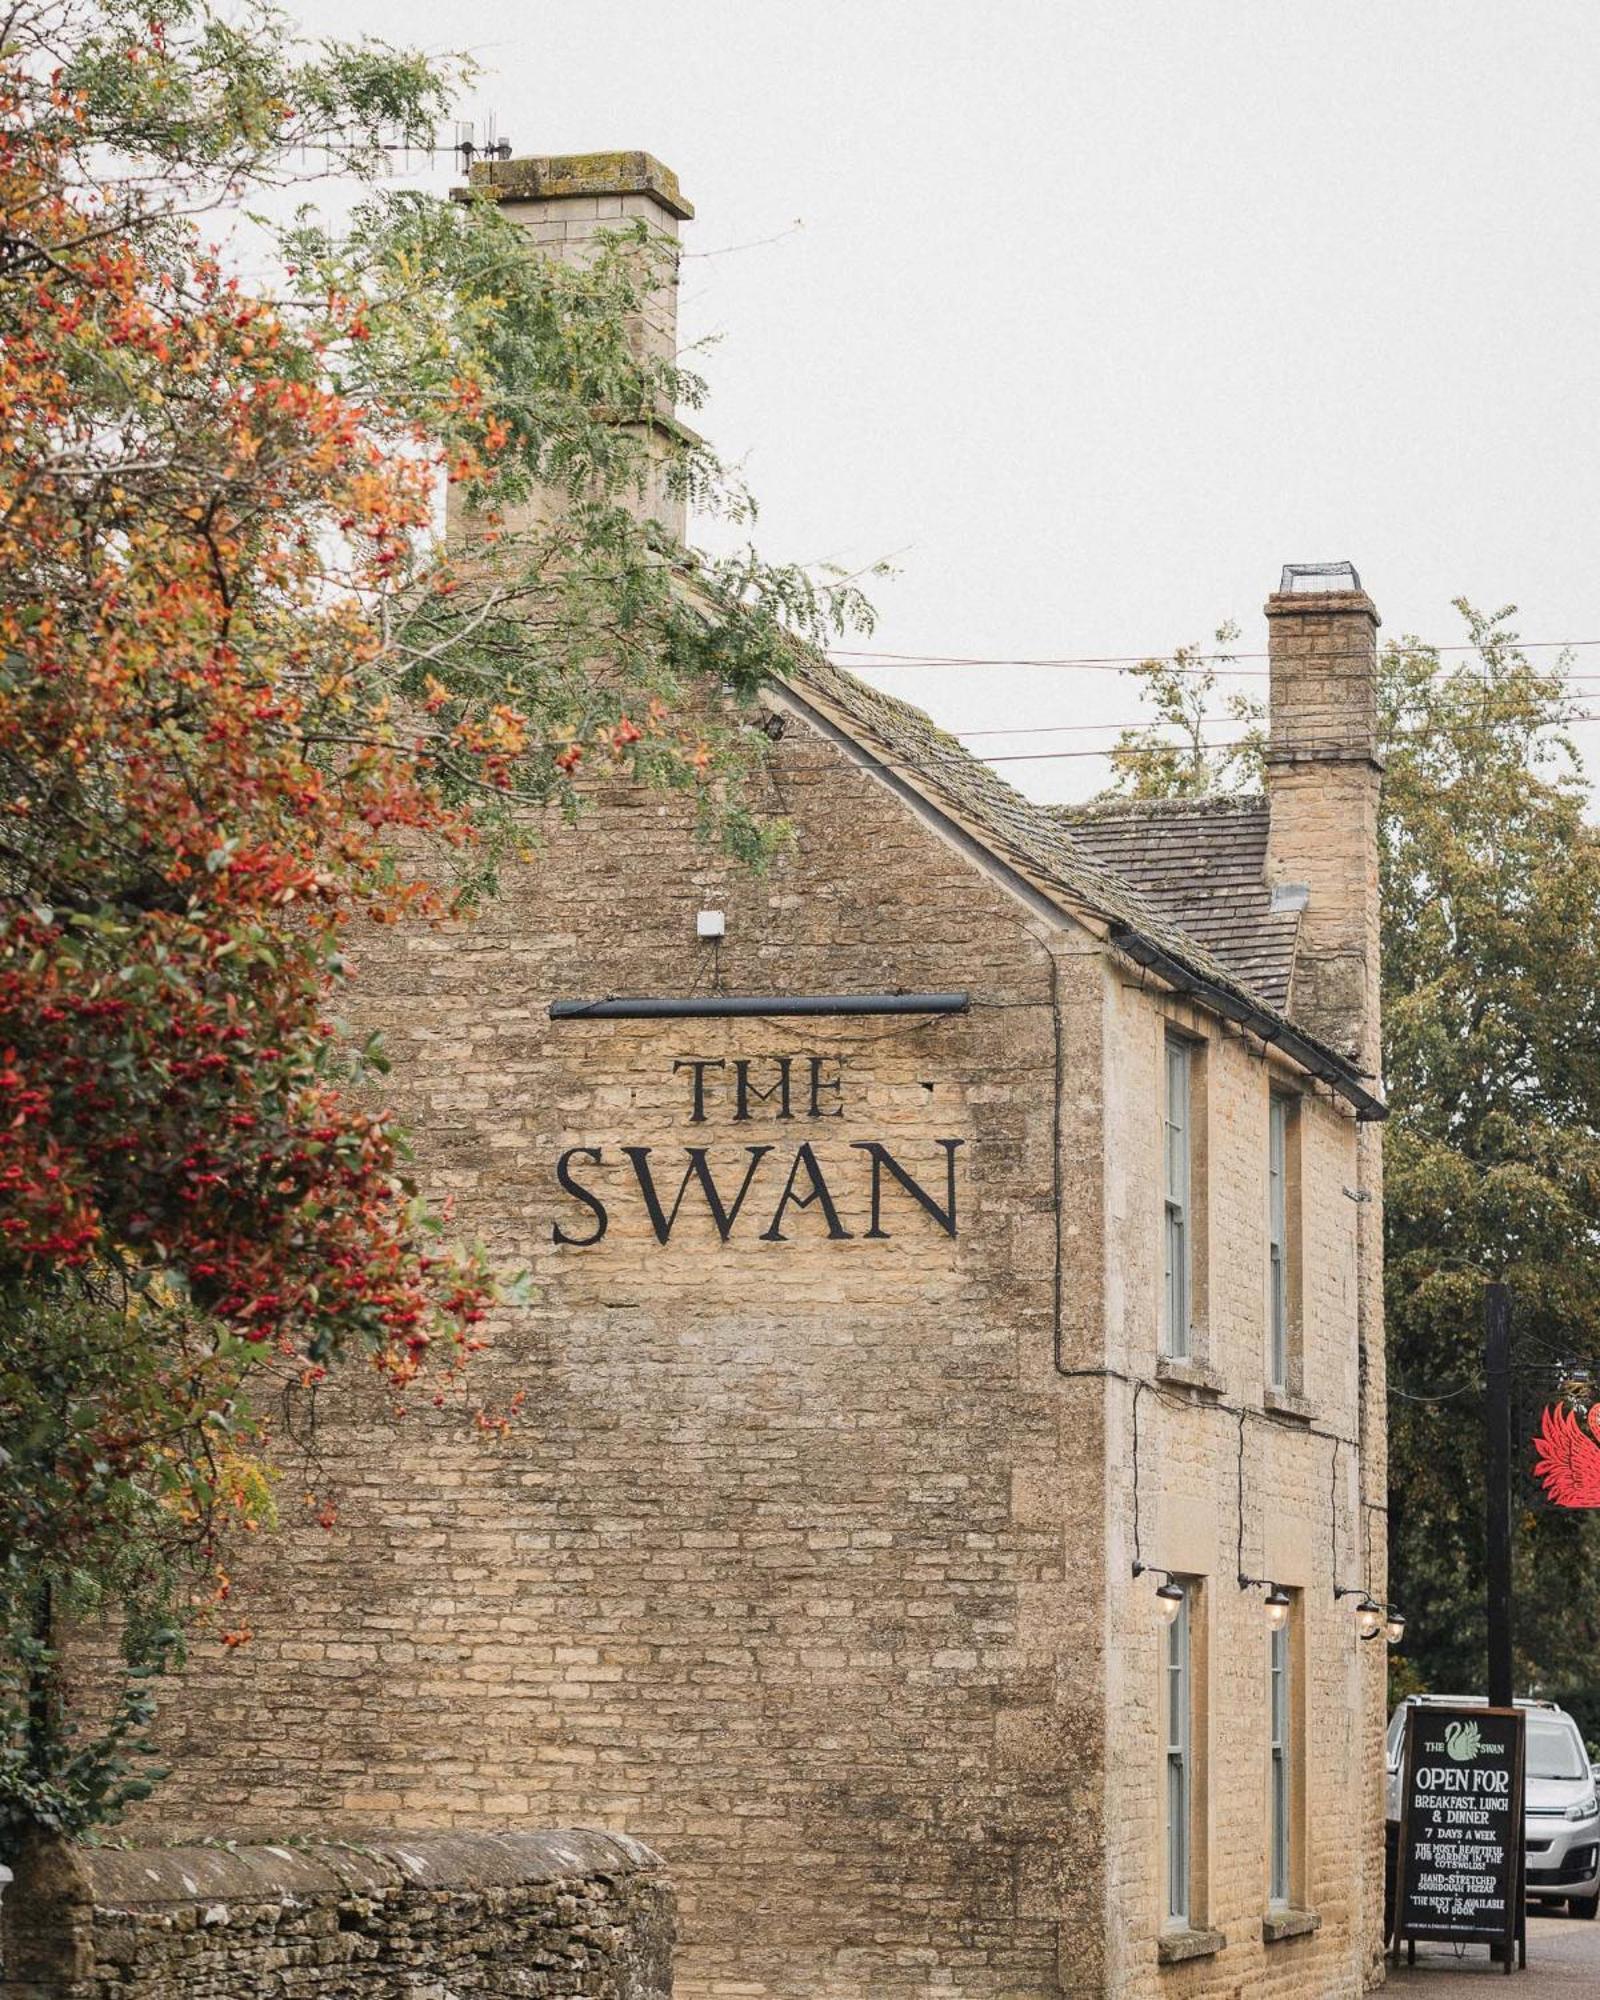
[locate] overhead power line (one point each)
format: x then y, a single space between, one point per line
1147 722
1153 749
1115 662
1110 749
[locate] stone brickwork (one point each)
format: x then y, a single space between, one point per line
838 1416
809 1557
567 204
838 1419
479 1916
1324 776
1323 773
793 1562
1291 1510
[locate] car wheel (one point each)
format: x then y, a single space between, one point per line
1584 1906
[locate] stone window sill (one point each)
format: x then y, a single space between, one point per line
1184 1372
1178 1947
1277 1925
1288 1403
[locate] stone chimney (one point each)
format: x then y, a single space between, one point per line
1323 773
564 201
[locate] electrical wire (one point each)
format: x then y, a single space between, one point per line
920 771
1178 749
1154 722
1444 1395
1116 662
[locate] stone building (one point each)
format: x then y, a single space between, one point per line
956 1308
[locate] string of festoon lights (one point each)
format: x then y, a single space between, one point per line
1372 1618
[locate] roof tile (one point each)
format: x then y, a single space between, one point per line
1202 864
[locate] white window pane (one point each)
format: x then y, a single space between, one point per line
1177 1840
1176 1329
1177 1122
1277 1150
1175 1172
1278 1883
1280 1319
1278 1240
1178 1697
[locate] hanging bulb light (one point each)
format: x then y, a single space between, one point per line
1369 1618
1394 1626
1279 1605
1169 1600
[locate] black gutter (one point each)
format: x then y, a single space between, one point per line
719 1006
1232 1007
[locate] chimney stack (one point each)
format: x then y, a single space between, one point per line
1323 775
564 201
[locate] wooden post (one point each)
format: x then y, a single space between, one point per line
1497 1490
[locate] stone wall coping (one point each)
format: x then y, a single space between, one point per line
152 1877
576 176
1322 604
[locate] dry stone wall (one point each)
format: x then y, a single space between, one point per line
465 1916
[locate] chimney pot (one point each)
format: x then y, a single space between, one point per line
1299 578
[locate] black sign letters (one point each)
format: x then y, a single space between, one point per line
773 1187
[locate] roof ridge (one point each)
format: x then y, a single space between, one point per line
1124 806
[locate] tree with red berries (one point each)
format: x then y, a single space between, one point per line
248 699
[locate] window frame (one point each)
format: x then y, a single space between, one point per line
1280 1115
1281 1771
1177 1205
1177 1691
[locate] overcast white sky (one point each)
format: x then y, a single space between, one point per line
1103 309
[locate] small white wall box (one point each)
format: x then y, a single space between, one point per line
710 923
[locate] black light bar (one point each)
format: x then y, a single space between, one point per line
721 1006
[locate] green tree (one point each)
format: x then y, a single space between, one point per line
1490 883
248 699
1175 756
1491 958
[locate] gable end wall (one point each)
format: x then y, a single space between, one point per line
792 1564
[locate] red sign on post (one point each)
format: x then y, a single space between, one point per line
1567 1457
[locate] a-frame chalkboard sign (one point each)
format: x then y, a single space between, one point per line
1461 1862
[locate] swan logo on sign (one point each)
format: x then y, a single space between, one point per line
1566 1457
1461 1741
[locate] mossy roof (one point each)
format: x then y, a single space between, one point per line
1185 877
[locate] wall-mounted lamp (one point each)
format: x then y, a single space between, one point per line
1169 1595
1369 1613
1394 1626
1278 1603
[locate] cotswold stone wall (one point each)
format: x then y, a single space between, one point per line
476 1916
1295 1510
808 1558
791 1562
